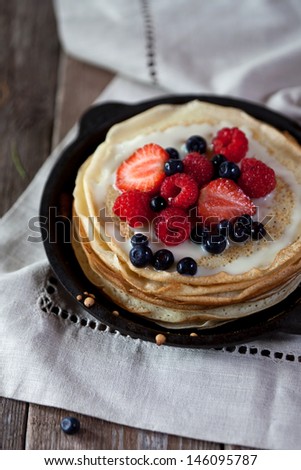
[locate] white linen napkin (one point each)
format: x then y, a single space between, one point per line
248 49
54 353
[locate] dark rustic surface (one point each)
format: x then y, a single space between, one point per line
29 54
42 94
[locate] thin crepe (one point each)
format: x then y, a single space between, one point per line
167 297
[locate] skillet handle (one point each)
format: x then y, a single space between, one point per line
105 114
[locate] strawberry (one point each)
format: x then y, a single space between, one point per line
257 179
222 199
232 143
133 207
143 170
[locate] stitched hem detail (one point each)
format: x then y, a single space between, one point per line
257 352
149 35
49 305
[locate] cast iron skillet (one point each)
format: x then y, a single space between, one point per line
55 213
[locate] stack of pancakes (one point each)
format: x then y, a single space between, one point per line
244 279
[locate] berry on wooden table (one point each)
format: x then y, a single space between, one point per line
70 425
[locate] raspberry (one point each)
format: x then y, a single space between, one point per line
180 190
134 208
198 167
232 143
257 179
172 226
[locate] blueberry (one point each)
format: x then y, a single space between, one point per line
139 239
217 160
198 234
163 259
215 244
246 221
158 203
257 231
229 170
223 227
187 266
239 233
141 256
173 166
70 425
173 153
196 143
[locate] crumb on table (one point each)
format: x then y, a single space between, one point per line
160 339
89 301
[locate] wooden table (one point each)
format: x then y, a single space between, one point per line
42 94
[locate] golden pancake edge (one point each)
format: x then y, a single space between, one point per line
242 280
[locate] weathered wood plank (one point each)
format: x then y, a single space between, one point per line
235 447
29 52
13 422
44 433
79 85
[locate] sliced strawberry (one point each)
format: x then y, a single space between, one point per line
144 170
223 199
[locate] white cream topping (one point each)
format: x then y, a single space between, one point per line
176 137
